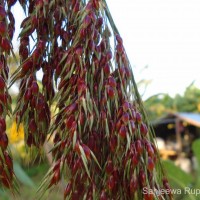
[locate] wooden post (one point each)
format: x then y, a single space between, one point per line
178 135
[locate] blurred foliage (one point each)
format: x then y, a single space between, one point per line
177 176
161 104
22 175
16 135
29 179
196 151
180 180
16 141
13 62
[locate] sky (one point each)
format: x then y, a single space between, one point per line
163 35
162 40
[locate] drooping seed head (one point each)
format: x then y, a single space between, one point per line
133 127
3 28
91 45
3 141
27 95
5 181
139 147
27 65
125 106
119 39
123 131
148 196
2 125
36 55
96 4
2 13
68 189
142 178
87 151
135 159
5 45
120 48
109 55
122 73
23 52
150 150
71 108
133 115
99 22
82 33
113 143
86 21
128 72
110 92
11 3
138 117
8 160
32 126
40 104
70 121
133 185
1 109
106 69
125 118
112 82
150 164
34 88
143 128
103 195
41 46
109 167
2 83
111 183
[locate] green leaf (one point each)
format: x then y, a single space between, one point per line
84 159
107 128
74 139
196 150
24 30
95 159
84 105
3 195
108 107
91 122
128 144
22 176
176 175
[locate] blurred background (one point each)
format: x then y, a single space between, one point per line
162 40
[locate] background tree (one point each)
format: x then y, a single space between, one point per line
159 105
189 101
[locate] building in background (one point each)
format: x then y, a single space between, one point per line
175 133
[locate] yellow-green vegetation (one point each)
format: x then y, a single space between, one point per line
29 187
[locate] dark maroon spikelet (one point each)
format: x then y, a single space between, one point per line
102 144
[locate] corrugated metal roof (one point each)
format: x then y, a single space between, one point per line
191 118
